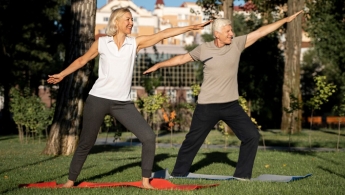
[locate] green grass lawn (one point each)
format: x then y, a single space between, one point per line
24 163
324 138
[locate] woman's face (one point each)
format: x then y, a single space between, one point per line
125 23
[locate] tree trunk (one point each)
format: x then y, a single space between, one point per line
73 90
228 9
291 83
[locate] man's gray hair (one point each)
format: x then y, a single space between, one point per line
218 24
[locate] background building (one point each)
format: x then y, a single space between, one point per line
174 82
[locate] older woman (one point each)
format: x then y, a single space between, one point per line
111 92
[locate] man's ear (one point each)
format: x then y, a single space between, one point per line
215 34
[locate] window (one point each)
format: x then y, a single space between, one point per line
189 96
135 30
171 93
105 19
134 95
182 16
181 24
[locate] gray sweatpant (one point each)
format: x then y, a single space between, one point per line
126 113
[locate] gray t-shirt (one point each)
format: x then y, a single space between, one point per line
220 70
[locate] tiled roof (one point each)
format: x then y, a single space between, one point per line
160 2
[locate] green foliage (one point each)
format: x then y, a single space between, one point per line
195 89
207 37
244 24
210 7
190 47
311 66
339 110
33 41
325 25
153 103
188 106
30 112
243 103
108 121
321 94
150 84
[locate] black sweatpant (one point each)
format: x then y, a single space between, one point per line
123 111
205 117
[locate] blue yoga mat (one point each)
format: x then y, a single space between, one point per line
164 174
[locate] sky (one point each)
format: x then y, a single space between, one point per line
149 4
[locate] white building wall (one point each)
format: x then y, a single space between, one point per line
101 17
143 17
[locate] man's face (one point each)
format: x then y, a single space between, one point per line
225 35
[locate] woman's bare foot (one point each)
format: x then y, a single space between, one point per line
146 183
68 184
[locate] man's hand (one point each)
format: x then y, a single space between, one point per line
290 18
152 69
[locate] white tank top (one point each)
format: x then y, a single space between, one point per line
115 69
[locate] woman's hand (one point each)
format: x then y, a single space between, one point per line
55 78
202 25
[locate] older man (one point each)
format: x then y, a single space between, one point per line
218 98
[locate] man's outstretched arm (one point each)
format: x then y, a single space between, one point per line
174 61
263 31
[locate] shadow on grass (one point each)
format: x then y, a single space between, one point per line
315 155
158 158
163 133
31 164
328 160
2 138
332 132
213 157
53 178
332 172
116 170
280 143
109 148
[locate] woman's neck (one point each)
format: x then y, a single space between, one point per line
119 38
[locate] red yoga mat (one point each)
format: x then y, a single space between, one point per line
158 184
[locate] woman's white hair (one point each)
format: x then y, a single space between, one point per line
218 24
111 28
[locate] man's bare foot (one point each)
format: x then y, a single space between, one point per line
68 184
146 183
